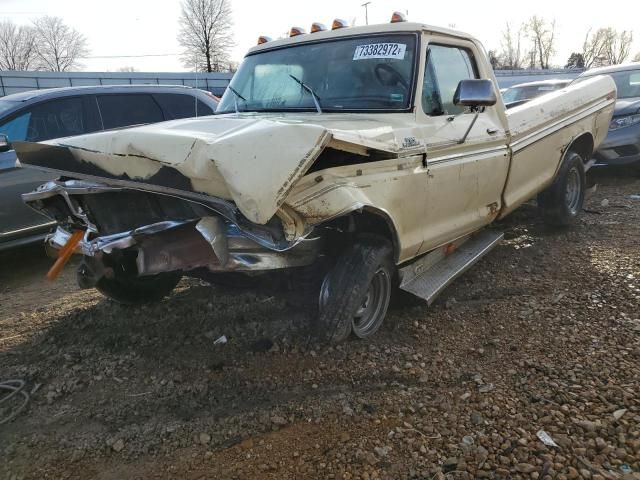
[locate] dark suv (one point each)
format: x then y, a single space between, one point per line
40 115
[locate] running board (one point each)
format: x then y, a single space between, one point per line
431 274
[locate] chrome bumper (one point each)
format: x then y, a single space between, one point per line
207 243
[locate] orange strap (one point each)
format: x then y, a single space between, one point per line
64 255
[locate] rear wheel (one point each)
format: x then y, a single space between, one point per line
355 293
561 203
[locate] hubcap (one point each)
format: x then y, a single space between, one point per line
370 314
574 187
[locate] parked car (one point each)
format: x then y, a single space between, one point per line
622 145
523 92
339 156
40 115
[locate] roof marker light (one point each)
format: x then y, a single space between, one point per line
339 23
263 39
317 27
398 17
295 31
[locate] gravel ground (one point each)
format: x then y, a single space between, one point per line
543 334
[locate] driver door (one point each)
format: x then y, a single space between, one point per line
464 178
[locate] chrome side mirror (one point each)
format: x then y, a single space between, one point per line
475 94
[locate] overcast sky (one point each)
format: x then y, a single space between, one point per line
149 27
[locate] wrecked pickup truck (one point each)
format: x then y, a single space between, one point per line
372 157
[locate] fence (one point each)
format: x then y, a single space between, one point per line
15 82
216 83
508 78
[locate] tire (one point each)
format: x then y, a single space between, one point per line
355 293
136 290
561 203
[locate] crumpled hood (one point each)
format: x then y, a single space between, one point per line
251 159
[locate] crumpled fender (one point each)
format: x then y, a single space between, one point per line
254 162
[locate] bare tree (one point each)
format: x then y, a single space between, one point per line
17 46
127 68
205 34
617 45
637 57
58 46
542 34
512 55
593 47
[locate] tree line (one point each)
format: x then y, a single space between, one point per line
533 44
47 43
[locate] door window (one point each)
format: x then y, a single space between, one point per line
16 129
446 67
127 109
53 119
181 106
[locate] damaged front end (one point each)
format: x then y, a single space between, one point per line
135 233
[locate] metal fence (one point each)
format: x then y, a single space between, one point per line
15 82
508 78
216 83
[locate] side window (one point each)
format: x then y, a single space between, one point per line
16 128
204 109
128 109
176 105
53 119
446 66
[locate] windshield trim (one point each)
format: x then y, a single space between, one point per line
413 78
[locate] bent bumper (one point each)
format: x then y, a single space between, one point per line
621 147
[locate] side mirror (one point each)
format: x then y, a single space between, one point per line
5 146
475 94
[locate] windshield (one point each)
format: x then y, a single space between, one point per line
627 83
362 73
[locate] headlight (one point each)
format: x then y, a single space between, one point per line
627 121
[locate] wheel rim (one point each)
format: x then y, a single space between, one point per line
574 188
369 316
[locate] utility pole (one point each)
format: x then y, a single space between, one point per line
366 12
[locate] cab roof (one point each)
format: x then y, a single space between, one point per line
362 30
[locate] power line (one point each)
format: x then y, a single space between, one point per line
134 56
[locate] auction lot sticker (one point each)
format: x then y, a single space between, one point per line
380 50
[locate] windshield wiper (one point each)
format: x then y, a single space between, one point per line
236 95
315 97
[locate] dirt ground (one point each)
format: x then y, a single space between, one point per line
543 334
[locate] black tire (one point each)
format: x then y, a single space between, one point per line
561 203
349 282
136 290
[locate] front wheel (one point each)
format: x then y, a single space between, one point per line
355 293
561 203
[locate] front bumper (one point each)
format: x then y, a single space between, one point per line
158 233
621 147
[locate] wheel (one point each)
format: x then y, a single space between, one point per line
134 290
561 203
356 291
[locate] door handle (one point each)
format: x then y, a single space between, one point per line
492 131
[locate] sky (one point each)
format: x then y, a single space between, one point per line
150 27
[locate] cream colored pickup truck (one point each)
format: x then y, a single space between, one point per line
371 157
